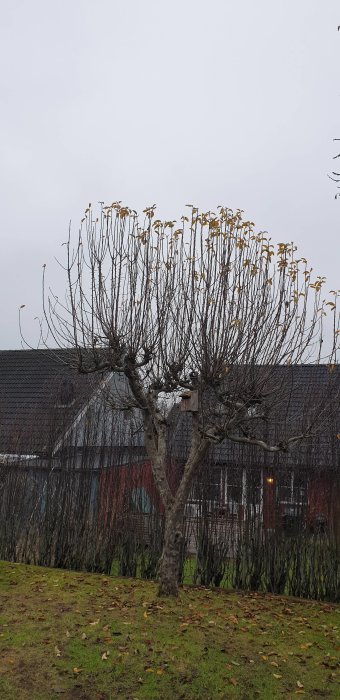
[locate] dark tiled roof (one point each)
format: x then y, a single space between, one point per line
296 396
40 396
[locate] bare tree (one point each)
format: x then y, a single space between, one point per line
209 308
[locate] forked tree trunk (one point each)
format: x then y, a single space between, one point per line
174 514
174 503
171 555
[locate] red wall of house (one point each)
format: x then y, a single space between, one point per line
319 499
117 483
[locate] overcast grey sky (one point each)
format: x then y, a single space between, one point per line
231 102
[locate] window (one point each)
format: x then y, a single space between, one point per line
253 499
65 394
207 486
292 488
140 501
233 489
292 497
212 490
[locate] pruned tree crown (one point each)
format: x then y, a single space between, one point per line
181 304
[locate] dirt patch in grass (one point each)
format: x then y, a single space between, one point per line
88 637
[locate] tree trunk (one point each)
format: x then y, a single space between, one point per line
171 555
174 517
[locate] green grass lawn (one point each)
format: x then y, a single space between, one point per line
90 637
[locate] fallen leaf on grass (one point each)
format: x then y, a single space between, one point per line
277 675
233 619
95 622
77 670
105 655
232 681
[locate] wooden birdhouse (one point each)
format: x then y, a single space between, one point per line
189 401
